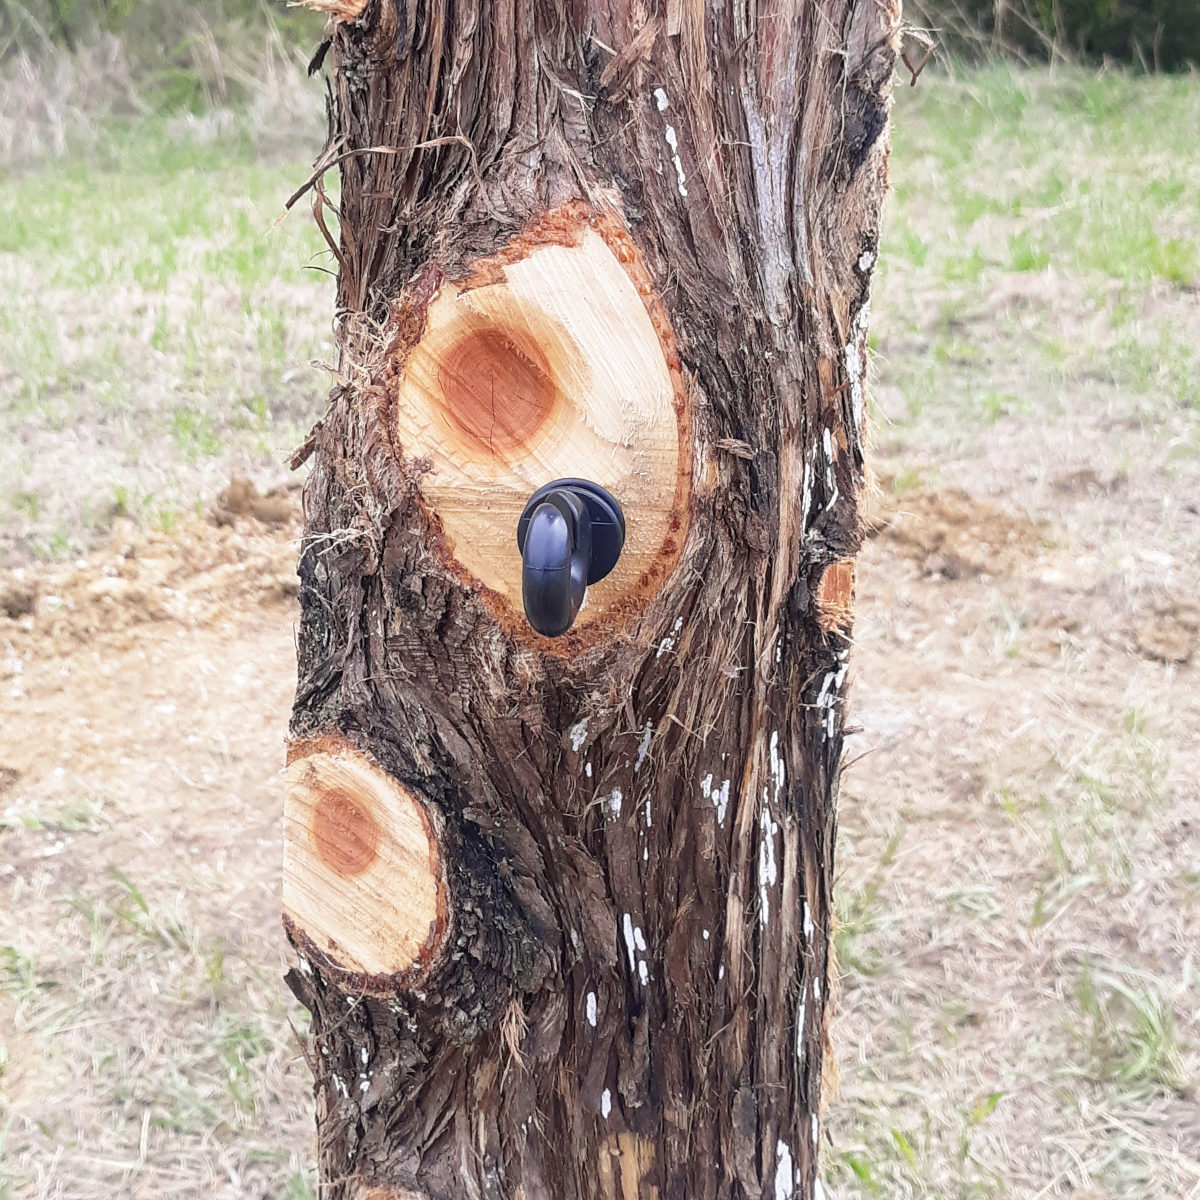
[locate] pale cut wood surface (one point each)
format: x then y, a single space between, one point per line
553 370
361 873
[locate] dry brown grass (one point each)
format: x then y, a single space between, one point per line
145 1046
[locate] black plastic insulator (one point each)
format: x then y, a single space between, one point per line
570 536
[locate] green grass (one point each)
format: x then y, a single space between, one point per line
154 305
1127 1036
1019 193
1018 157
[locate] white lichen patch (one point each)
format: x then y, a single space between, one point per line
614 802
785 1172
577 734
605 1103
591 1009
660 98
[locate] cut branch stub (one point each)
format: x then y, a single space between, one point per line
551 360
363 881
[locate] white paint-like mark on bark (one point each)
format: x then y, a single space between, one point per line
591 1009
305 969
777 770
801 1014
855 352
365 1056
639 938
630 946
660 98
340 1084
587 769
643 972
830 476
705 934
605 1103
816 989
614 802
768 872
643 747
364 1084
808 922
816 1129
680 177
865 261
718 795
668 643
785 1173
649 817
578 734
854 372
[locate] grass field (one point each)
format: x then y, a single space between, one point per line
158 325
1020 825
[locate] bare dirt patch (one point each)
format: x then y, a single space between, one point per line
145 1046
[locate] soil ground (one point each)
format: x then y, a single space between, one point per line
1019 1010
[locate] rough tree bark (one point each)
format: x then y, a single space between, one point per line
563 907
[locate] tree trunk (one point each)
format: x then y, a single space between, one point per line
563 906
